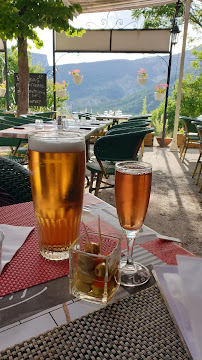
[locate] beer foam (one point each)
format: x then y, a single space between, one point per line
133 167
56 141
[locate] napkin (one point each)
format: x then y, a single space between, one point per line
190 270
13 240
182 288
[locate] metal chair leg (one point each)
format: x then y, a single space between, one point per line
198 176
87 181
182 147
98 182
196 165
91 182
185 149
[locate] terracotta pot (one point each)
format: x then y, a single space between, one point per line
61 93
77 79
141 80
2 92
159 96
167 141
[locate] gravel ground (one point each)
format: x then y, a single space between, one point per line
175 208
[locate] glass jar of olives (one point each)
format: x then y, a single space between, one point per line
94 266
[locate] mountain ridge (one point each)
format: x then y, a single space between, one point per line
112 84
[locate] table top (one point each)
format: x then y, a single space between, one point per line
88 129
113 117
39 308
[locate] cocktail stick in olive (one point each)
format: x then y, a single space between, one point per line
100 270
92 246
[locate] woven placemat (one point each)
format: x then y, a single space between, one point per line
138 327
28 268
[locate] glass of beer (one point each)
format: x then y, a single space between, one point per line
57 175
132 192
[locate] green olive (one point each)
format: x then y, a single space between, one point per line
100 270
92 248
86 277
86 262
98 292
81 286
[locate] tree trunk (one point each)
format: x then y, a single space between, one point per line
23 74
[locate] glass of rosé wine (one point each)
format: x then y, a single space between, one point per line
132 193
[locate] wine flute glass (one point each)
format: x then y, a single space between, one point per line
132 192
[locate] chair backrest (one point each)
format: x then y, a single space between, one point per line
8 141
187 124
124 129
14 179
127 124
119 147
47 114
12 120
140 116
5 124
135 122
199 129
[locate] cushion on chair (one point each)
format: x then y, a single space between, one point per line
94 167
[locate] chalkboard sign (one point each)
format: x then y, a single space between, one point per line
37 89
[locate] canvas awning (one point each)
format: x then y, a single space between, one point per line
116 41
95 6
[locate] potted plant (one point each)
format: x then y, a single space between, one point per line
3 88
158 126
60 89
76 77
142 77
160 91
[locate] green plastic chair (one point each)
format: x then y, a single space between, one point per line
141 116
190 135
14 145
128 125
109 149
14 180
199 162
47 114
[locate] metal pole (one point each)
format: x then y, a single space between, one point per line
54 71
174 146
166 100
169 71
7 78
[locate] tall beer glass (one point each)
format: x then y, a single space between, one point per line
132 192
57 175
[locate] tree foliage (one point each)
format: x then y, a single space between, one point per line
144 106
22 17
191 104
20 20
162 16
13 68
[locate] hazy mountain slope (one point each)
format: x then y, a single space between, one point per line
113 84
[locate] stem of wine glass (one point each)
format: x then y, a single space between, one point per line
130 235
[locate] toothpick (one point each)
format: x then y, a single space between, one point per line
99 235
88 239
